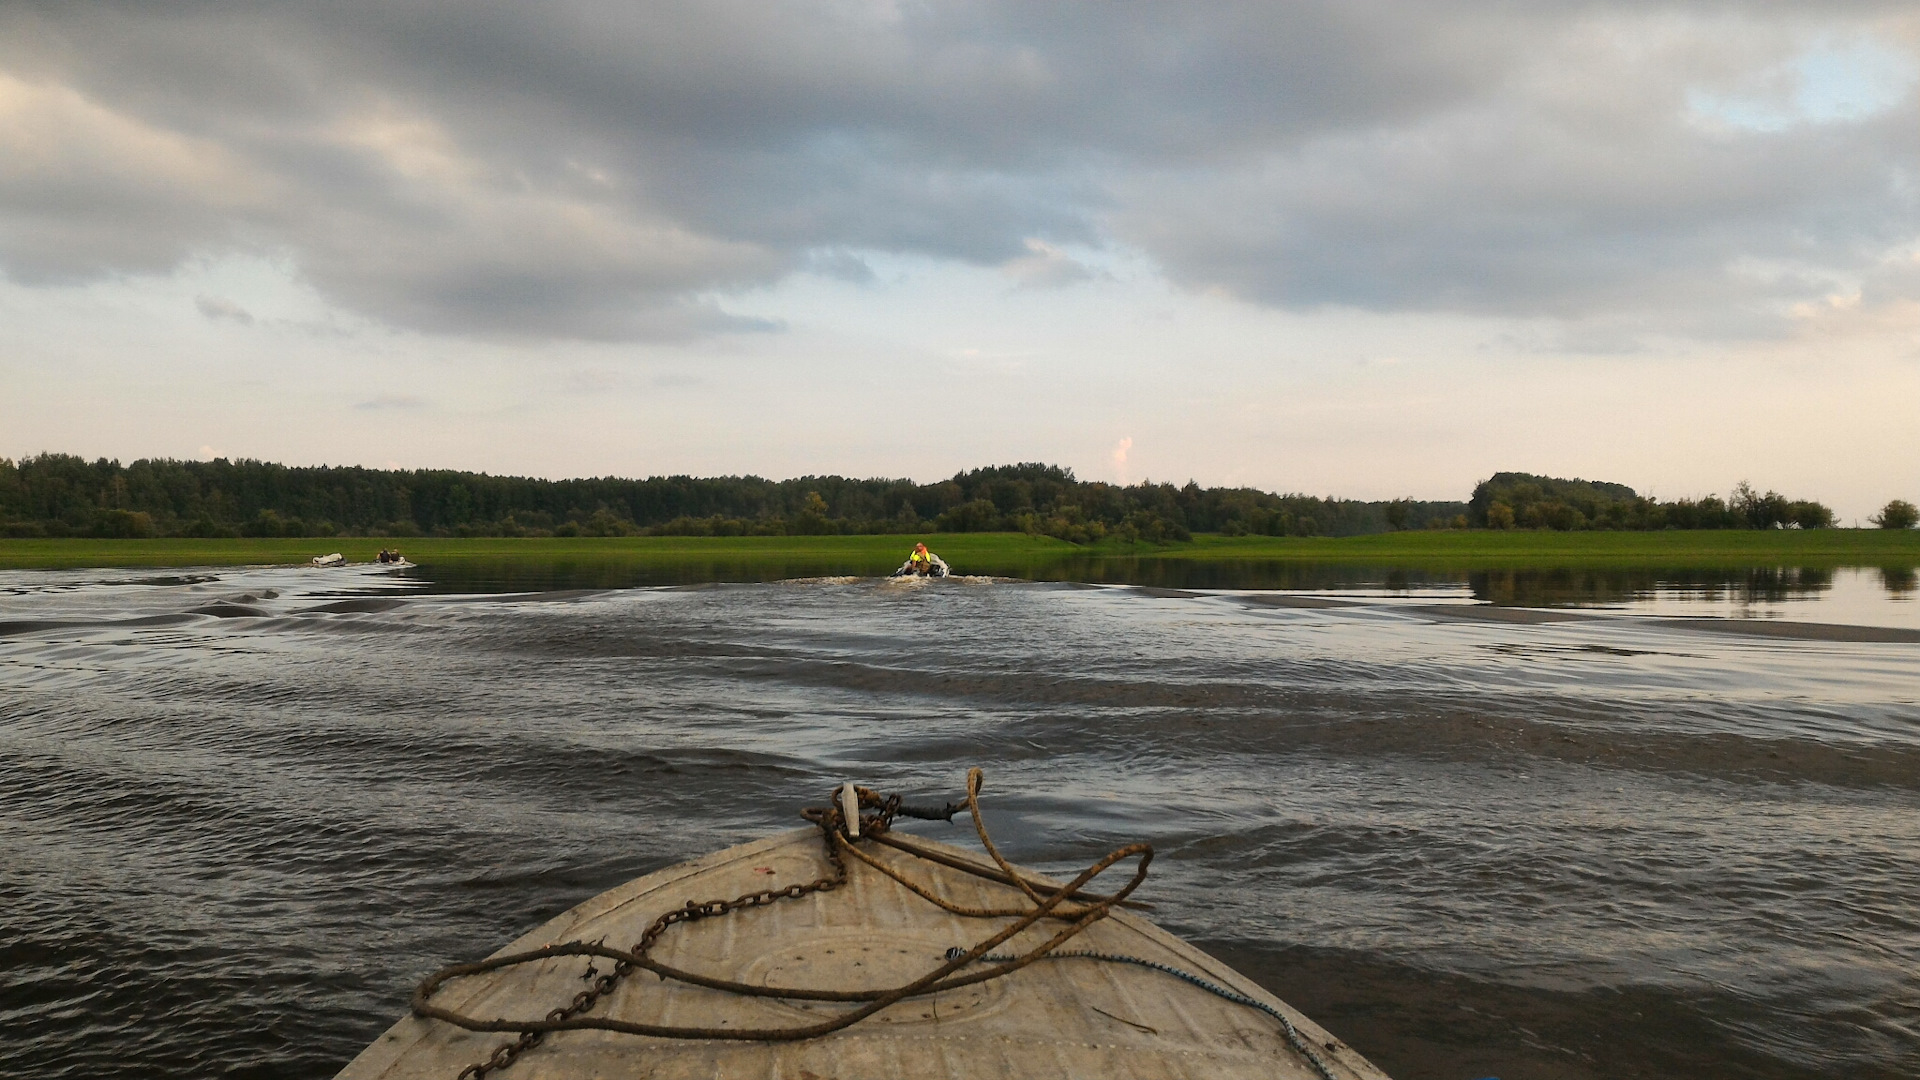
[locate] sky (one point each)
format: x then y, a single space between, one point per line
1366 248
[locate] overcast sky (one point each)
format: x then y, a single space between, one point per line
1361 247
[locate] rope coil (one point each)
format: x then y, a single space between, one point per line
1069 904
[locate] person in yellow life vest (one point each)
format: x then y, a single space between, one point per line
921 561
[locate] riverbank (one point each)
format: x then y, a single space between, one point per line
861 555
1527 547
883 552
1007 552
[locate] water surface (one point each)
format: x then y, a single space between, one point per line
244 810
1853 595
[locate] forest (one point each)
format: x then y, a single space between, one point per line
1512 500
56 495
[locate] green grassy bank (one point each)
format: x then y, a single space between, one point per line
1526 547
1009 551
869 554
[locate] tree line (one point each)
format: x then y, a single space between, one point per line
54 495
63 495
1511 500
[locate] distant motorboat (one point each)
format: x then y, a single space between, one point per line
388 558
935 566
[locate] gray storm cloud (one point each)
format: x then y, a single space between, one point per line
595 170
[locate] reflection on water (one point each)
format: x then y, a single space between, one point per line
1742 584
1877 596
1280 574
1850 595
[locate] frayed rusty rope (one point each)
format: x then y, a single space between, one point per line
1066 904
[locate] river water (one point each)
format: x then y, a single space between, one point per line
242 811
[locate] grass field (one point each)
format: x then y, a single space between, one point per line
1830 547
869 554
1011 553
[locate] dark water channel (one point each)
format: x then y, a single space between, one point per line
242 811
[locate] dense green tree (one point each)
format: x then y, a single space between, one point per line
1897 514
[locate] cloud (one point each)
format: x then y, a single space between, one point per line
591 170
87 190
841 265
1582 191
383 402
1831 82
1046 267
219 308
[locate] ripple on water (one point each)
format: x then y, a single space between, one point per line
231 839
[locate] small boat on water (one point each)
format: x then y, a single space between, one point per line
388 557
922 563
848 950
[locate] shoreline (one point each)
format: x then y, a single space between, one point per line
1437 550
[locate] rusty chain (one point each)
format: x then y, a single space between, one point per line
583 1002
1048 901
